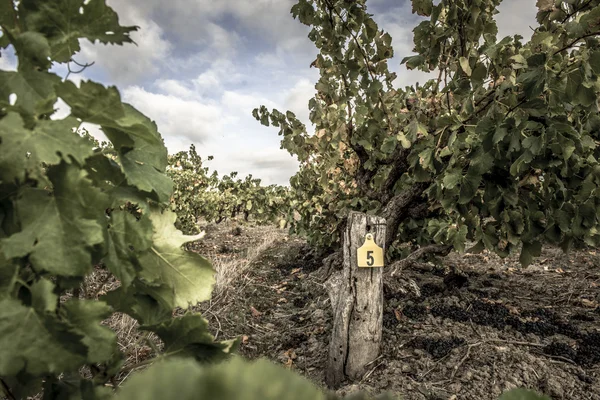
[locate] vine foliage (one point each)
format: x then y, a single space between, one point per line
69 208
200 194
499 148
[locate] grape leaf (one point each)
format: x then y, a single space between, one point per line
64 22
37 344
51 142
58 232
85 317
189 335
236 379
35 91
127 237
183 277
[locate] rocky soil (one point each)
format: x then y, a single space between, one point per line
469 329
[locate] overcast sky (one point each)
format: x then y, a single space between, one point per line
201 66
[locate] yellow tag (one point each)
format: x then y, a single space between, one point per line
369 254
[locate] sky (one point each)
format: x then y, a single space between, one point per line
201 66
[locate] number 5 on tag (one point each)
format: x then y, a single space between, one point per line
369 254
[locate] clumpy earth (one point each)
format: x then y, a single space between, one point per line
471 328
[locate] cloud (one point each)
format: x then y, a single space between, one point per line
270 164
178 119
130 63
296 99
175 88
516 17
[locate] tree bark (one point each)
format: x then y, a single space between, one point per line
356 295
399 207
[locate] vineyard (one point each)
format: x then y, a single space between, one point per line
128 272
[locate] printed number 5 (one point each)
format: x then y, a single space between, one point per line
370 259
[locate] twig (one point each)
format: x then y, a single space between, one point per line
368 374
515 342
559 358
575 41
415 255
218 322
435 364
462 361
6 390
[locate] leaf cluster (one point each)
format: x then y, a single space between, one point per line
70 208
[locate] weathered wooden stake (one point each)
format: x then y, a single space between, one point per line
356 295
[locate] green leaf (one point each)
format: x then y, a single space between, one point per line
452 178
595 61
417 129
545 5
127 237
468 188
534 143
413 62
85 317
529 251
35 92
64 22
389 144
236 379
140 147
34 343
34 48
8 276
23 151
136 303
577 91
43 298
139 167
533 82
94 103
8 14
403 140
370 28
58 232
183 278
422 7
464 64
189 336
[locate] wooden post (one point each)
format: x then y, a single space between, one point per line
356 295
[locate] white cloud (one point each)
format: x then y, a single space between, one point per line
220 74
270 164
297 98
130 63
179 118
516 17
175 88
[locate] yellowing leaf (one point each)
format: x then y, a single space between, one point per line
181 278
464 64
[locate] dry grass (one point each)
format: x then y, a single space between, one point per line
227 271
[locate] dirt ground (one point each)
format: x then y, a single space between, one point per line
470 329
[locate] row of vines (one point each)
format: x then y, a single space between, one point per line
200 194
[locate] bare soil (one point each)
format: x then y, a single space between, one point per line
470 329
